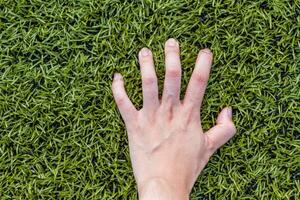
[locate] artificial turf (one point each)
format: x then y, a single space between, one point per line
61 135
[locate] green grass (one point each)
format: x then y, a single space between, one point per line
61 135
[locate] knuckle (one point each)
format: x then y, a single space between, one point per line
149 80
202 80
120 101
170 98
182 127
174 71
145 60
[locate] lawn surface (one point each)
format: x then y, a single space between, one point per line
61 135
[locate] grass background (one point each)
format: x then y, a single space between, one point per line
61 135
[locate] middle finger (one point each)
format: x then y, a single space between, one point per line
173 72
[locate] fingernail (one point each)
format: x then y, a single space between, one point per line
206 50
171 42
117 75
145 51
229 112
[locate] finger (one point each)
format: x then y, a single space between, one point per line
125 106
198 81
222 131
149 79
173 71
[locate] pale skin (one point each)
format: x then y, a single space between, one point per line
168 147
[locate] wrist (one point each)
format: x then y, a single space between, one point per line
160 189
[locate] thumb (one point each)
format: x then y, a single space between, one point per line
222 131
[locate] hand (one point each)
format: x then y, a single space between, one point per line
168 147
